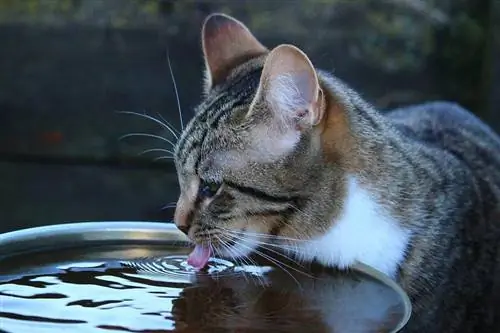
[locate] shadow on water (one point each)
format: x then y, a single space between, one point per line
163 294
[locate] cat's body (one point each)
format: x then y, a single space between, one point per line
280 151
450 266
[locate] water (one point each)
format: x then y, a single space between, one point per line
154 290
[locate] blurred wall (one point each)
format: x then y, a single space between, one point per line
67 66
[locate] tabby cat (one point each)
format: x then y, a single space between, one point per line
280 152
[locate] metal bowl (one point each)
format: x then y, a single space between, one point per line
57 253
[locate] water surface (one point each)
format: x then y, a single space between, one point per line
93 290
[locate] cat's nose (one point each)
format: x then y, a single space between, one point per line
183 217
183 222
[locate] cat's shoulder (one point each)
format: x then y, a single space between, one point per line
443 113
432 120
439 115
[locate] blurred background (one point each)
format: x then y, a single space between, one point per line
68 66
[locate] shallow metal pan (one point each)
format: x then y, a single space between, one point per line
91 234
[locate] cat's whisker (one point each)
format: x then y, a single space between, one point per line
287 246
148 136
157 149
231 251
276 245
215 250
175 90
164 125
262 235
246 260
240 235
238 256
277 262
163 158
267 246
260 278
168 123
242 242
309 217
295 245
211 246
225 245
169 205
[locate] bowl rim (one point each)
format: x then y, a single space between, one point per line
26 239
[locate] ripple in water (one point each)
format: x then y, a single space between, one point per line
173 265
178 266
164 294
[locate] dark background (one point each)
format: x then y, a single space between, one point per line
67 66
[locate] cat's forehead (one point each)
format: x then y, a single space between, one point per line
202 148
212 128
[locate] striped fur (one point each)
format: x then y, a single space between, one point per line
429 172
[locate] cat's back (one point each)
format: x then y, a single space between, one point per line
450 132
456 131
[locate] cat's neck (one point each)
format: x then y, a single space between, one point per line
368 228
363 232
367 145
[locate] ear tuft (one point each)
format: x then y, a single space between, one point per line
226 43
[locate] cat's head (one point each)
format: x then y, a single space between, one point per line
251 162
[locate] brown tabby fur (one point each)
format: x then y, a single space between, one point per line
435 167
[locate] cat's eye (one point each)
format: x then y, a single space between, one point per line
208 189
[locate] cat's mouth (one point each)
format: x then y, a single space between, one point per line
200 255
231 247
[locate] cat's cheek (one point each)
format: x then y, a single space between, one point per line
233 160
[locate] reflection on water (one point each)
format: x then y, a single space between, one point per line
165 294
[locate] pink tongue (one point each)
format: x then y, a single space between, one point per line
199 257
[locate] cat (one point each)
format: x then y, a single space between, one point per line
280 153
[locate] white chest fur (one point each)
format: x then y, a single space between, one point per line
364 233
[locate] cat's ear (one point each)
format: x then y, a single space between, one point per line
226 43
289 99
289 87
